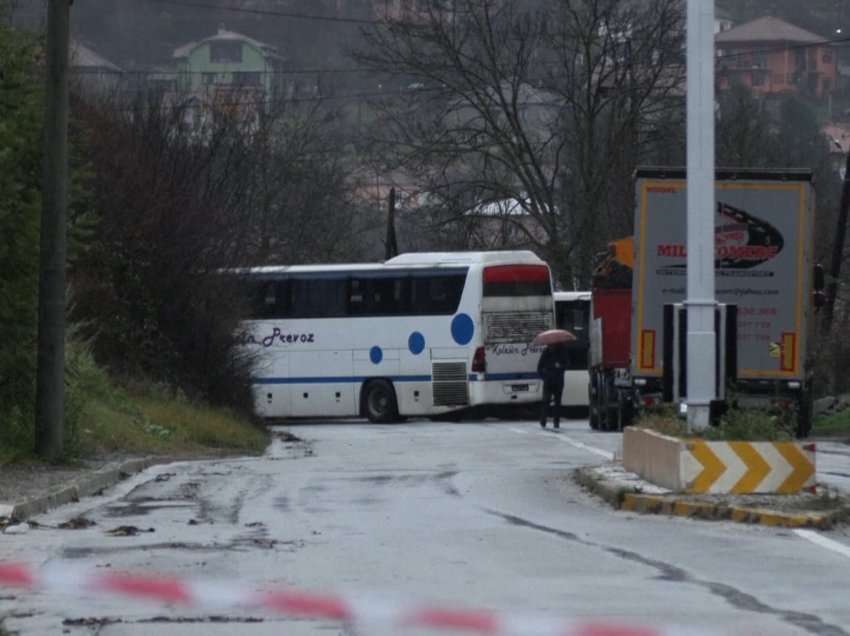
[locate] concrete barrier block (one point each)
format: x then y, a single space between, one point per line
655 457
705 467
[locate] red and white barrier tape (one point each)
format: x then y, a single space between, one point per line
68 578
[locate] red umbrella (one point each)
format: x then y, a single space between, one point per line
553 336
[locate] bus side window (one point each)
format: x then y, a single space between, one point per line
319 297
437 294
380 296
561 315
389 295
573 316
579 320
357 297
271 299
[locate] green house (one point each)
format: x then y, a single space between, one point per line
230 63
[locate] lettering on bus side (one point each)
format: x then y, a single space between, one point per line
513 349
277 336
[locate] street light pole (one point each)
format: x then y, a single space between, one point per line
701 302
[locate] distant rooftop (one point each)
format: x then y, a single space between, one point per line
768 29
83 57
223 34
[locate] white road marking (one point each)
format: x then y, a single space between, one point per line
829 544
572 442
590 449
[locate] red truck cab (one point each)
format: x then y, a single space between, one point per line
611 394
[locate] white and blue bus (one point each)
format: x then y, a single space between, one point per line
572 312
422 334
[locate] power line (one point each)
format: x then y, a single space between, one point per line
292 71
269 12
302 16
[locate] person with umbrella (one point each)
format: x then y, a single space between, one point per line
554 360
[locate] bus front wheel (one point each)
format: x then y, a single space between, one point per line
379 402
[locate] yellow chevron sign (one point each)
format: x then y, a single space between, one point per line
749 467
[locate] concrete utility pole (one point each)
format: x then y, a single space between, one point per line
50 384
701 301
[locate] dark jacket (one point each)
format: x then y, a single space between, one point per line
554 360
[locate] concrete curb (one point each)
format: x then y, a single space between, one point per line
85 486
610 491
681 506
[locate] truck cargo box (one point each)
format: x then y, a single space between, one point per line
763 261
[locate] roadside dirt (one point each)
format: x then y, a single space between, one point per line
19 482
31 479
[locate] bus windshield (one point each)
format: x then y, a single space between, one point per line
574 316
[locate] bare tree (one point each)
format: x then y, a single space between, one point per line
180 194
542 102
302 203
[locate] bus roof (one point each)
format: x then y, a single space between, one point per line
411 260
297 269
571 295
465 258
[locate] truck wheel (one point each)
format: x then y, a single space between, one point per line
606 412
379 402
625 410
593 403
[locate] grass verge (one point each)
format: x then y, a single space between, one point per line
150 422
145 418
744 425
837 425
103 418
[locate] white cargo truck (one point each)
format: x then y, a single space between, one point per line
765 267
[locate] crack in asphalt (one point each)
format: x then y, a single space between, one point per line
443 479
239 544
821 451
97 621
835 474
668 572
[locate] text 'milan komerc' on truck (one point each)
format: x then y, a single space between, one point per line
763 266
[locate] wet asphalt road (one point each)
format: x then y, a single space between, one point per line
481 514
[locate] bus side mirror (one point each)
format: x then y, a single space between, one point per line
819 279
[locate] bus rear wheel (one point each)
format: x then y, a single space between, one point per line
379 402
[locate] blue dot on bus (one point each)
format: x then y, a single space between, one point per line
376 355
462 329
416 343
